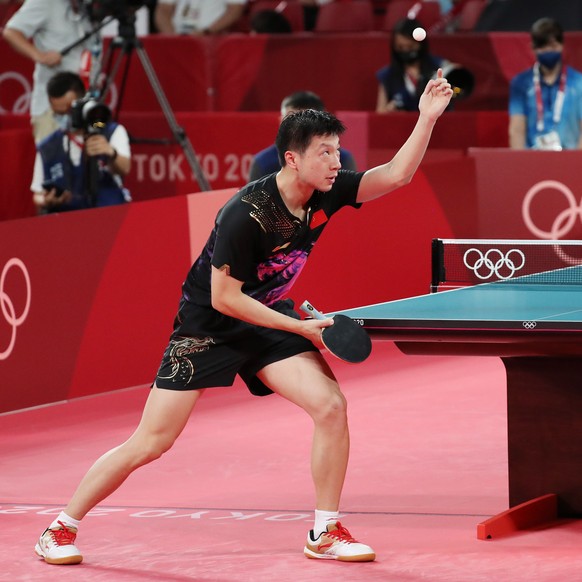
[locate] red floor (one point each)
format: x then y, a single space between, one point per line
233 500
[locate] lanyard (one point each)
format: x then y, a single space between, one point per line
410 83
71 137
558 103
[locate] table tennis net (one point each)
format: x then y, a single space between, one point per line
465 262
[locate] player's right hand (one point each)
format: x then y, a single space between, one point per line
313 328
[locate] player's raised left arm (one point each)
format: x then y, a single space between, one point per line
400 170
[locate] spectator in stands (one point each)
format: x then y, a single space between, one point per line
267 161
81 164
198 17
270 22
402 82
40 30
545 101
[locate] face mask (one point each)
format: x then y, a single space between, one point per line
549 59
407 57
63 121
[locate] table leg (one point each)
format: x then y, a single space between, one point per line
544 426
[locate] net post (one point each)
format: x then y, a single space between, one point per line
437 264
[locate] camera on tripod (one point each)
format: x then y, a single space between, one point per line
90 115
97 10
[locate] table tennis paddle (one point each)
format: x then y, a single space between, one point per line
345 339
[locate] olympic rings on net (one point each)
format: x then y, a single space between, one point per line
7 305
494 262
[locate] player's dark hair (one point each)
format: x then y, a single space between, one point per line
303 100
63 82
299 128
544 31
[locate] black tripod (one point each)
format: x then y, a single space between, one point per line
123 46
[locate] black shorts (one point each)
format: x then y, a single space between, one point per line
208 349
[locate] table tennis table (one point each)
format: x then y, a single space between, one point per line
536 329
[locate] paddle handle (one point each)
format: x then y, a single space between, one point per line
310 310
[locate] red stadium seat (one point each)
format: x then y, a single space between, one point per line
469 15
428 12
355 16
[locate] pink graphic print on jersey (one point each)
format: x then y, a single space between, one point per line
282 269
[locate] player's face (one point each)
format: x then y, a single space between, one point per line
320 162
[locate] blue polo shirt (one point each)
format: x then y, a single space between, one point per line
522 101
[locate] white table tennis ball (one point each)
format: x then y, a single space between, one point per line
419 34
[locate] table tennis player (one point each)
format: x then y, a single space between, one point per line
234 318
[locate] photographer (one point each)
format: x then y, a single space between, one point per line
80 165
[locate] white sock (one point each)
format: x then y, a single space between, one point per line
322 518
66 519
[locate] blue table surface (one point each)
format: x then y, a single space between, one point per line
486 302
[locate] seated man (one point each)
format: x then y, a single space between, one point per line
545 101
80 165
198 17
267 161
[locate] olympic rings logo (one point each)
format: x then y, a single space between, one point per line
22 102
529 324
7 305
563 223
565 220
494 262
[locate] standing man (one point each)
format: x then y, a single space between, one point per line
40 30
233 318
545 101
